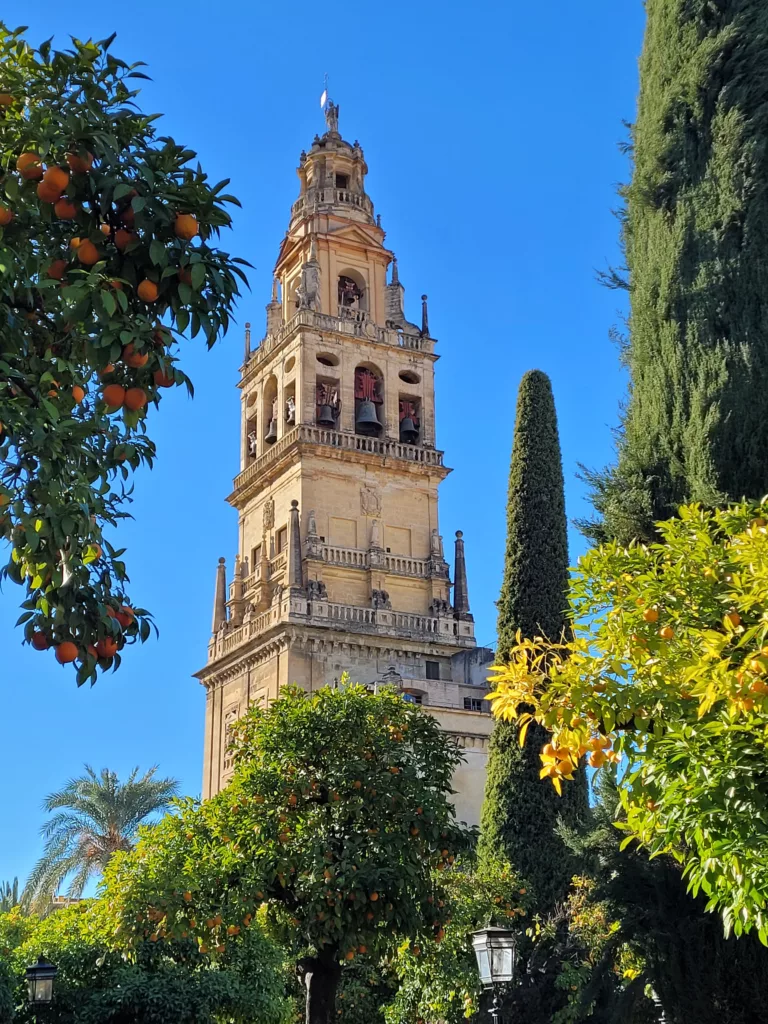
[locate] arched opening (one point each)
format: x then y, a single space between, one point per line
352 294
369 400
251 428
327 402
289 405
270 411
410 419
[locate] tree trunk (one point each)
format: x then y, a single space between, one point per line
321 978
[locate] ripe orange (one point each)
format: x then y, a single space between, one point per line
29 166
349 955
186 226
56 177
666 632
114 395
6 215
66 652
109 368
124 238
87 253
125 616
651 614
188 896
48 193
373 897
6 99
128 217
733 619
74 242
133 358
162 380
79 164
185 275
40 641
65 209
106 648
135 398
147 291
362 950
105 229
78 393
57 269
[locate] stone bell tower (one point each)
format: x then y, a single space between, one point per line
341 564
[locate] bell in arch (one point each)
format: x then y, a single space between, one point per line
409 433
271 435
325 417
366 421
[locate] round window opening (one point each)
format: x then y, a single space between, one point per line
409 377
327 359
290 363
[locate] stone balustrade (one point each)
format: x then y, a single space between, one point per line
308 434
333 197
350 322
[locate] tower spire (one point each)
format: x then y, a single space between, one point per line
424 317
460 589
220 596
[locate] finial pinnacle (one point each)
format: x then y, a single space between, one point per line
424 317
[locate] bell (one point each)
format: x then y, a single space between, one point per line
325 417
367 422
408 432
271 435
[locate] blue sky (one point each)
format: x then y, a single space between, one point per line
491 132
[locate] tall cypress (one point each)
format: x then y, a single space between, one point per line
520 812
696 243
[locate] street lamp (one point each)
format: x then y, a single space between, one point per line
496 953
40 982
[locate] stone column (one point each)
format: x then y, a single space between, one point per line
460 589
220 597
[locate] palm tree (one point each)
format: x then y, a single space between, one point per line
99 815
9 895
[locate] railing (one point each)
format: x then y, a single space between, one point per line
353 322
355 557
415 623
404 565
277 564
306 433
333 196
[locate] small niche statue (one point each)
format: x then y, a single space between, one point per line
290 409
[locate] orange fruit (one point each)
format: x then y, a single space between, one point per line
56 177
87 253
125 616
6 215
373 897
105 229
57 269
40 641
114 395
349 955
651 614
74 242
66 652
6 100
48 193
109 368
362 950
162 380
106 648
29 166
188 896
147 291
733 619
79 164
128 217
78 393
65 209
135 399
185 275
186 226
666 632
123 238
133 358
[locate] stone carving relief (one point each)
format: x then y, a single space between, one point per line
380 599
370 502
436 545
440 607
375 534
231 716
317 590
268 515
308 291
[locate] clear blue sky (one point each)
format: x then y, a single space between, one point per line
491 131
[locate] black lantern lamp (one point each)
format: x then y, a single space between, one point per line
40 981
496 953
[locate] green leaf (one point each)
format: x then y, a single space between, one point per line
158 253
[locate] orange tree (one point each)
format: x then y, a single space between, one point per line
667 673
337 818
107 256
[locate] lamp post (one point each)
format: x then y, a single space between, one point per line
496 953
40 982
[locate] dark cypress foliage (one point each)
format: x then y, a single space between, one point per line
520 811
696 245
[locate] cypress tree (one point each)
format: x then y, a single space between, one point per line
695 237
520 812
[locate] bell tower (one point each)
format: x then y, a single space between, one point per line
341 564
